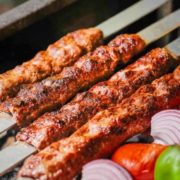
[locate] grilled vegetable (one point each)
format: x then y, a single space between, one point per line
104 169
138 159
165 127
168 164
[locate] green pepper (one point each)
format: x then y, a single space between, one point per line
167 166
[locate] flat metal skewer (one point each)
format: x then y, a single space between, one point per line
129 16
6 121
109 27
10 157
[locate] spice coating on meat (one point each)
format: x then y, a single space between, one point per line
53 92
59 124
62 53
100 136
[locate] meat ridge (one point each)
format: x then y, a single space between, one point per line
55 125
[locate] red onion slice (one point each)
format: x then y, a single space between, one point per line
165 127
104 169
167 113
159 121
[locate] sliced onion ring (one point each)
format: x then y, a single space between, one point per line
104 169
165 127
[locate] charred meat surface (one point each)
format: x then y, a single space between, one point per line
55 125
38 98
62 53
100 136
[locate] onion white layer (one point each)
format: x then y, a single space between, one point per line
165 127
104 169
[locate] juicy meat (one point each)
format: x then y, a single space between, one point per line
100 136
62 53
55 125
53 92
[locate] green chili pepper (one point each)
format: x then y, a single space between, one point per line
167 166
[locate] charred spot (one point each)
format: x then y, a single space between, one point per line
45 91
104 106
140 81
116 130
129 73
32 100
61 122
126 120
18 102
125 90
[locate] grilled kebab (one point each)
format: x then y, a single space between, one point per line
35 99
59 124
101 135
62 53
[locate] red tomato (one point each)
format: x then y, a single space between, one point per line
138 159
